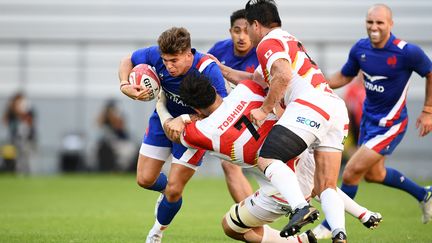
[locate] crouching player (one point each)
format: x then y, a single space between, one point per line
225 129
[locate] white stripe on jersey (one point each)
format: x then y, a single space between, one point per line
205 64
380 138
397 107
401 44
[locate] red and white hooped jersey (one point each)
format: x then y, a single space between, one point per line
306 74
228 130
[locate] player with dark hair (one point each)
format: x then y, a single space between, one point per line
236 52
317 117
387 64
226 130
173 59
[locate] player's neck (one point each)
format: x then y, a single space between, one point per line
215 104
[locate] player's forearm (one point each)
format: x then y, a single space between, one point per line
338 80
234 76
428 94
278 87
161 109
124 69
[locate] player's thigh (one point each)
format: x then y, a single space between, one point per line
256 210
231 170
148 170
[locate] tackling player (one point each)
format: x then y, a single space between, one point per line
317 117
227 131
173 58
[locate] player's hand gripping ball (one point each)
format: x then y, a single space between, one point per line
146 76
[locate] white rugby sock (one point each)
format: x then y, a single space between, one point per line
158 228
351 206
333 208
285 181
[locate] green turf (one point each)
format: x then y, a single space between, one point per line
112 208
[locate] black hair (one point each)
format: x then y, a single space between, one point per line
197 91
263 11
239 14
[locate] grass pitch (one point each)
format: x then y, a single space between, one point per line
112 208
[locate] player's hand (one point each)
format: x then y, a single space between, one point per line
174 128
214 59
257 116
424 124
136 92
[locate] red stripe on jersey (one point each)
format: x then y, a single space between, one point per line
195 138
388 140
390 122
318 79
396 41
252 146
307 65
314 107
196 158
203 59
293 49
254 87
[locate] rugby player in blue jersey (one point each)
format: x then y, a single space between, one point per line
387 64
173 59
238 53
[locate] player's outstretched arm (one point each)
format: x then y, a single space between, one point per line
338 80
232 75
424 121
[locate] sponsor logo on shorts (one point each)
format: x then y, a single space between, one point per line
308 122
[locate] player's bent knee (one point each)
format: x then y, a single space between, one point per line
145 182
173 192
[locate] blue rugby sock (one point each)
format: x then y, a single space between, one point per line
167 211
395 179
160 183
351 191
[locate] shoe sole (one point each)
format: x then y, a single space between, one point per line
294 229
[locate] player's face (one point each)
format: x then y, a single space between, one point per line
177 64
378 26
240 37
252 30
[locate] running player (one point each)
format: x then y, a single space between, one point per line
173 58
387 64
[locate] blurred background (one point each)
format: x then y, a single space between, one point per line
60 58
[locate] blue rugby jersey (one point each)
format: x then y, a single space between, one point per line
386 76
224 52
170 85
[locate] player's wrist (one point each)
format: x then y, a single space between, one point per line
123 83
265 111
427 109
185 118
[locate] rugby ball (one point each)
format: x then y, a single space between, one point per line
146 76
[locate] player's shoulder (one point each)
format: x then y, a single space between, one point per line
362 43
222 44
